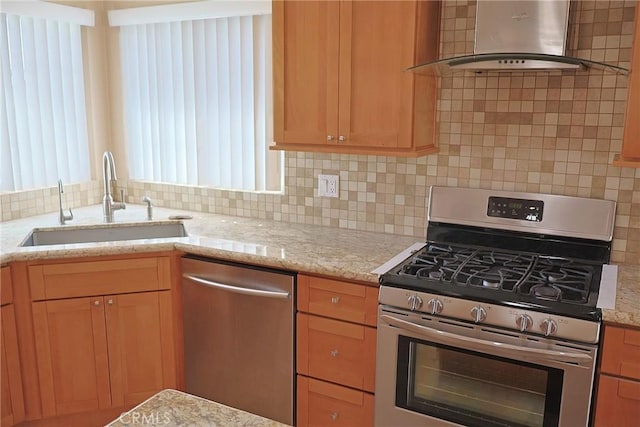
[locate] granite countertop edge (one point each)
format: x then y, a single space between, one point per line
305 248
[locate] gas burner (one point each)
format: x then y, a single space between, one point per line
546 292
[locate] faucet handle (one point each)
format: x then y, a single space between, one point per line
122 195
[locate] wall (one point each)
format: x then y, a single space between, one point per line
539 132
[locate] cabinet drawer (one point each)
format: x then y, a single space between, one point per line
77 279
336 351
323 404
618 402
337 299
6 290
621 352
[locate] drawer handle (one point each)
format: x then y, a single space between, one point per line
334 416
334 353
335 300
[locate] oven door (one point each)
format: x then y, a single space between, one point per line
438 372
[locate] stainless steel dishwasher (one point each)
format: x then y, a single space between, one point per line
239 336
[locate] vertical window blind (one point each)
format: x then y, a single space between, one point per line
198 99
44 126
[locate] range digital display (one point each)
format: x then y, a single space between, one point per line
506 207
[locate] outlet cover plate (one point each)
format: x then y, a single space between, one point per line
328 185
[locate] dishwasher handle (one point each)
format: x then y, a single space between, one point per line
236 289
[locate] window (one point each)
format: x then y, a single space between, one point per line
198 94
44 125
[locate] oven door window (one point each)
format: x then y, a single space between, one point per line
475 389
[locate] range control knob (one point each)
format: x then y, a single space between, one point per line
434 305
414 302
524 322
478 314
549 327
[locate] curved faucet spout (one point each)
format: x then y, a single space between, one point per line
108 175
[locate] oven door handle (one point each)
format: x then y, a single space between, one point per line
478 344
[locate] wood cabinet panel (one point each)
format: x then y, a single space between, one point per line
630 156
78 279
338 299
618 402
11 398
139 365
621 352
305 57
322 404
340 87
72 357
6 290
336 351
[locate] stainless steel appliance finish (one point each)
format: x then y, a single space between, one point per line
512 35
563 215
494 321
239 336
572 361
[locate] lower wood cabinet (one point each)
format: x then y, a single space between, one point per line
97 352
336 345
618 393
11 396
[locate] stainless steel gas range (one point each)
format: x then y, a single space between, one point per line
494 321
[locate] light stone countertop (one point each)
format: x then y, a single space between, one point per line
346 254
175 408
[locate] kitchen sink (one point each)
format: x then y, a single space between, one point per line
103 233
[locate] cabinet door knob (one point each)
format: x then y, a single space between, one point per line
334 353
110 302
96 303
335 300
330 137
342 138
334 416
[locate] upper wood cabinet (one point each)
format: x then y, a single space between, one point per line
630 156
339 84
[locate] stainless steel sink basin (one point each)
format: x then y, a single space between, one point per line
106 233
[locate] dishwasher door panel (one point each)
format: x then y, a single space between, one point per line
239 336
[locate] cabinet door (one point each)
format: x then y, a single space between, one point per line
631 138
12 404
618 402
71 348
305 58
140 342
377 41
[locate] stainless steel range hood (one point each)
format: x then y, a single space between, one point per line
518 35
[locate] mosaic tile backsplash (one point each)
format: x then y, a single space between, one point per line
549 132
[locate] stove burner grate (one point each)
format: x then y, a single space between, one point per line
543 278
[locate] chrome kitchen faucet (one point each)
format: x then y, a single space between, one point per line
109 174
62 217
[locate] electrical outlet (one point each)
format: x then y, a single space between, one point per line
328 185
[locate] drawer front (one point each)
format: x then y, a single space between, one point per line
618 402
621 353
337 299
6 290
337 351
78 279
324 404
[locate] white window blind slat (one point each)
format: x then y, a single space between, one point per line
204 102
44 115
